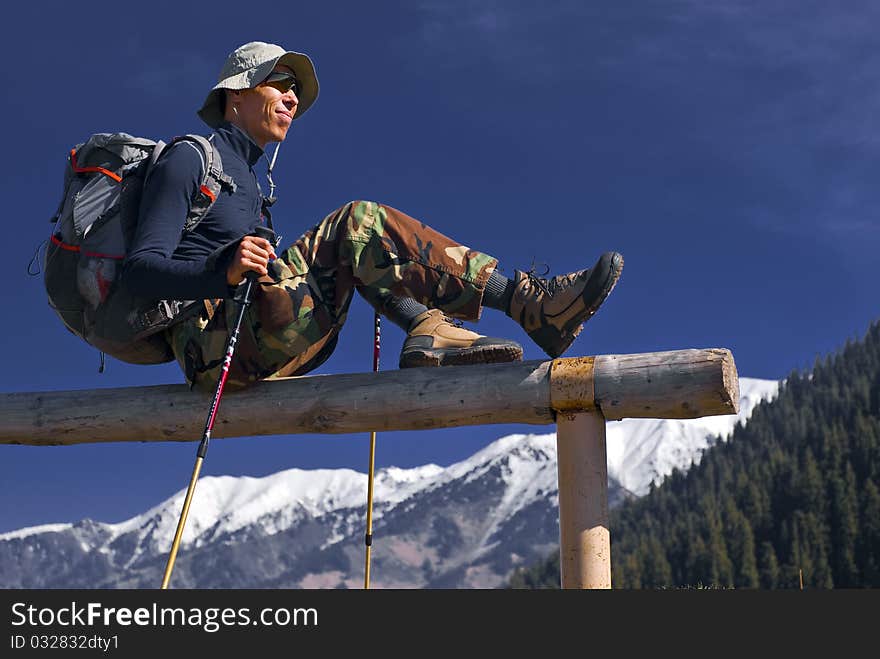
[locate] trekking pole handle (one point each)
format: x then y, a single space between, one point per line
268 234
243 294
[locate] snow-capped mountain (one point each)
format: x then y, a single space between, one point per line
465 525
645 450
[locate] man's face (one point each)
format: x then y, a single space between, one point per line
265 111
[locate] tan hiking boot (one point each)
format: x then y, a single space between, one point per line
552 312
436 340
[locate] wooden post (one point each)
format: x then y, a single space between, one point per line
584 538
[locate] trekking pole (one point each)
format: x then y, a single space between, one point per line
368 539
244 301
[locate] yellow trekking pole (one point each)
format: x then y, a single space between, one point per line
368 538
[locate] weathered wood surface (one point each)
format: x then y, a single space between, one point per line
582 468
678 384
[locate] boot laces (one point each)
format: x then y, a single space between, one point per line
455 322
554 285
538 280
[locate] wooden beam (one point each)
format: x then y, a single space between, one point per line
679 384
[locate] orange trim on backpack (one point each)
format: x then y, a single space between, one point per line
57 241
210 195
75 248
100 170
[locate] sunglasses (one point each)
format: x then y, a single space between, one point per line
283 82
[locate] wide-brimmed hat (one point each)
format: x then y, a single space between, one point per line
250 64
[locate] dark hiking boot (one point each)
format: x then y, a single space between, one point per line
434 339
552 312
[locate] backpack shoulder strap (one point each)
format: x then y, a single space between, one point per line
212 182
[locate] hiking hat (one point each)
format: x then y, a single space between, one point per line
250 64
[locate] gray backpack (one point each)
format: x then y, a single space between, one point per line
93 229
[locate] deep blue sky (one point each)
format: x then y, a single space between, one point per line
730 151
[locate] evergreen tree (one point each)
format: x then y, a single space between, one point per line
700 564
844 528
627 572
741 541
768 566
656 571
868 544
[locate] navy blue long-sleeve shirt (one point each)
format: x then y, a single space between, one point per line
166 263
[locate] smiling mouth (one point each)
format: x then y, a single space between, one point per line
285 113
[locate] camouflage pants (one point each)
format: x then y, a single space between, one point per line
298 309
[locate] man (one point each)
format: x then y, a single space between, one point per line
415 276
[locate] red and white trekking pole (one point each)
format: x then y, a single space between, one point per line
243 298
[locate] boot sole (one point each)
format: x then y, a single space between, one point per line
460 356
614 272
615 269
